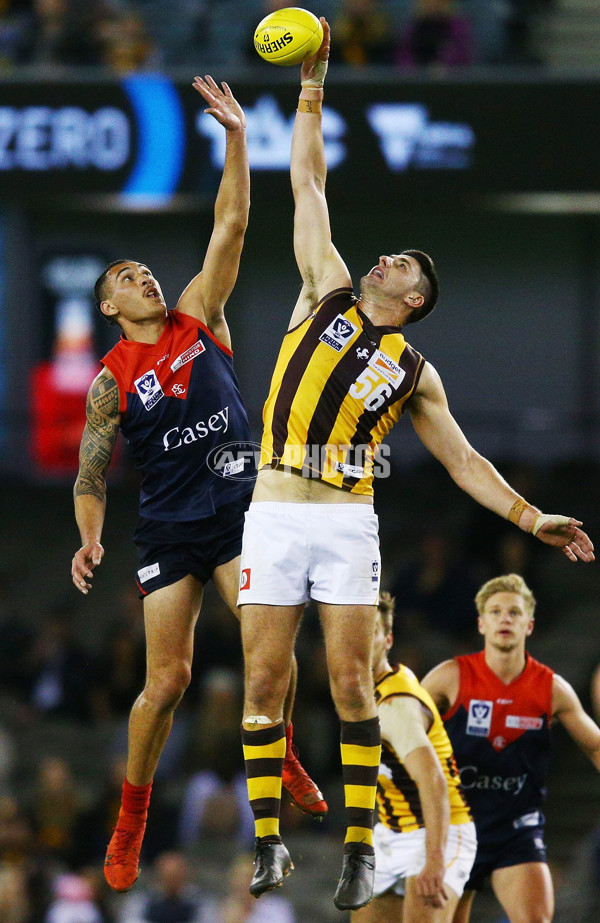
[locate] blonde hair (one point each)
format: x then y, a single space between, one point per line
508 583
385 608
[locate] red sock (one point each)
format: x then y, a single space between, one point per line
135 798
289 738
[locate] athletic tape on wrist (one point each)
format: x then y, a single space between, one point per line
517 510
542 518
309 105
318 78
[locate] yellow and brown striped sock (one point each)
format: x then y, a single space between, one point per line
361 754
264 752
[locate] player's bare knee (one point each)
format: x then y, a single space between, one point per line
166 687
351 691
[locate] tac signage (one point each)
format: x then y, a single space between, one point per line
146 137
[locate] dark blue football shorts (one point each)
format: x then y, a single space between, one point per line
169 551
525 844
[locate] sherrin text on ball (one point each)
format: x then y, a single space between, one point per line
288 36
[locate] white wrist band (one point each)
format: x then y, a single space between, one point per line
318 78
542 518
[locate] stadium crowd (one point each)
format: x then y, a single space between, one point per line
134 35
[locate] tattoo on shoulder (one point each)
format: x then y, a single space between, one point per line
103 397
99 436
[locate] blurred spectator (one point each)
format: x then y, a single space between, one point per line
16 638
16 833
180 29
73 901
61 671
172 897
362 33
435 36
503 32
56 808
15 21
435 591
7 760
217 643
95 825
124 43
520 30
122 662
215 800
14 900
62 33
238 905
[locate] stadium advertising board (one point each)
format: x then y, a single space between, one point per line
145 137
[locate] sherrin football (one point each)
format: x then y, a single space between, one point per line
288 36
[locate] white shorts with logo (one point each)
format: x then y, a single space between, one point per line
293 552
399 856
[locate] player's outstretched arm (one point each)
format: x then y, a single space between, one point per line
440 433
97 445
321 267
442 683
567 709
206 295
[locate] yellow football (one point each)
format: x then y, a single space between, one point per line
288 36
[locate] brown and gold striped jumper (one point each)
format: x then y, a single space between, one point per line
338 387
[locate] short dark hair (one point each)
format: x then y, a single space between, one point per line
428 286
100 290
385 607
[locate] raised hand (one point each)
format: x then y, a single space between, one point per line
221 103
314 68
565 533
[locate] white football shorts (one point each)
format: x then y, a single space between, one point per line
293 552
399 856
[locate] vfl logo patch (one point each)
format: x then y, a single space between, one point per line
188 355
523 723
233 467
245 578
375 573
339 332
388 369
153 570
479 720
149 389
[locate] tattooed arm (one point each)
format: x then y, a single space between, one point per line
97 445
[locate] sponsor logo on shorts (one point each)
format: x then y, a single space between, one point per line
524 723
479 720
245 578
146 573
375 572
149 389
188 355
339 332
